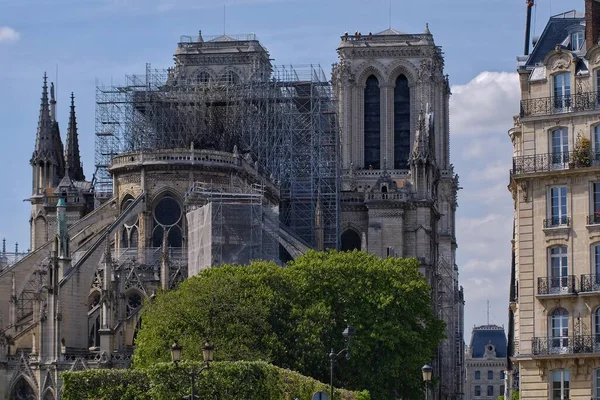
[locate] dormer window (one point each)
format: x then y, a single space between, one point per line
577 39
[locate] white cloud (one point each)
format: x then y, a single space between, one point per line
481 112
8 34
484 105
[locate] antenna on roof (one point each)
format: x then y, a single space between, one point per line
390 15
224 18
488 312
530 4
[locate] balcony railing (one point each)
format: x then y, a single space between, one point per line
578 344
555 222
593 219
547 162
587 101
590 283
557 286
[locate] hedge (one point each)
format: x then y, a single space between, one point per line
242 380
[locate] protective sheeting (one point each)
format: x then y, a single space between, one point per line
231 232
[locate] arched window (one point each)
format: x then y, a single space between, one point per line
229 78
168 218
94 335
202 78
350 240
560 384
134 301
23 391
372 122
559 330
129 233
48 395
401 123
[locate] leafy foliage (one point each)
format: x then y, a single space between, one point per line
223 380
292 317
582 155
514 396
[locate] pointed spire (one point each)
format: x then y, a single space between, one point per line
42 140
72 157
52 103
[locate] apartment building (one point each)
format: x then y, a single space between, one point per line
555 184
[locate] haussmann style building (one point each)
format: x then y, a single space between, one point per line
554 320
485 362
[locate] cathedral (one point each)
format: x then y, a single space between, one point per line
225 158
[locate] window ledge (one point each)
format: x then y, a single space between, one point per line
560 232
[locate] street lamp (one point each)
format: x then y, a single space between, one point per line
207 354
348 335
427 371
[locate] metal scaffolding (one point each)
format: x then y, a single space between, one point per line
286 123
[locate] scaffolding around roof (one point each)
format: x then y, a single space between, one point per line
285 123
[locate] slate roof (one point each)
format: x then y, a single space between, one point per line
556 31
482 335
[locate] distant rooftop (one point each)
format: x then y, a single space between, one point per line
488 334
391 31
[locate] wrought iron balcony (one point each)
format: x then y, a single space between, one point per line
587 101
564 285
590 283
578 344
594 219
547 162
555 222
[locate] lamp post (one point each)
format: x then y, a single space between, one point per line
207 354
348 335
427 372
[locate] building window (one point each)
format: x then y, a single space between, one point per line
477 390
558 207
229 78
168 219
558 270
477 375
597 384
559 148
501 390
502 377
559 325
490 374
597 328
562 90
595 217
372 124
401 123
490 390
560 384
577 39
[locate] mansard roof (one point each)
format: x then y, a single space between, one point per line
555 33
488 334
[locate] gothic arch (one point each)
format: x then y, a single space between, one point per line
239 74
350 240
373 68
402 67
158 195
48 394
23 385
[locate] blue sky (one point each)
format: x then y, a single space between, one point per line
102 40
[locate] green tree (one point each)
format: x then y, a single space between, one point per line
514 396
293 316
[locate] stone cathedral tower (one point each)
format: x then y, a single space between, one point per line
398 187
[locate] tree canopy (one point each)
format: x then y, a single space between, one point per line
293 316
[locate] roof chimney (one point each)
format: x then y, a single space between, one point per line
592 23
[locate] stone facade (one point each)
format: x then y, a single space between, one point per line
402 201
485 362
554 183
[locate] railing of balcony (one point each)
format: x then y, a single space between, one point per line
593 219
587 101
560 285
590 283
555 222
578 344
547 162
